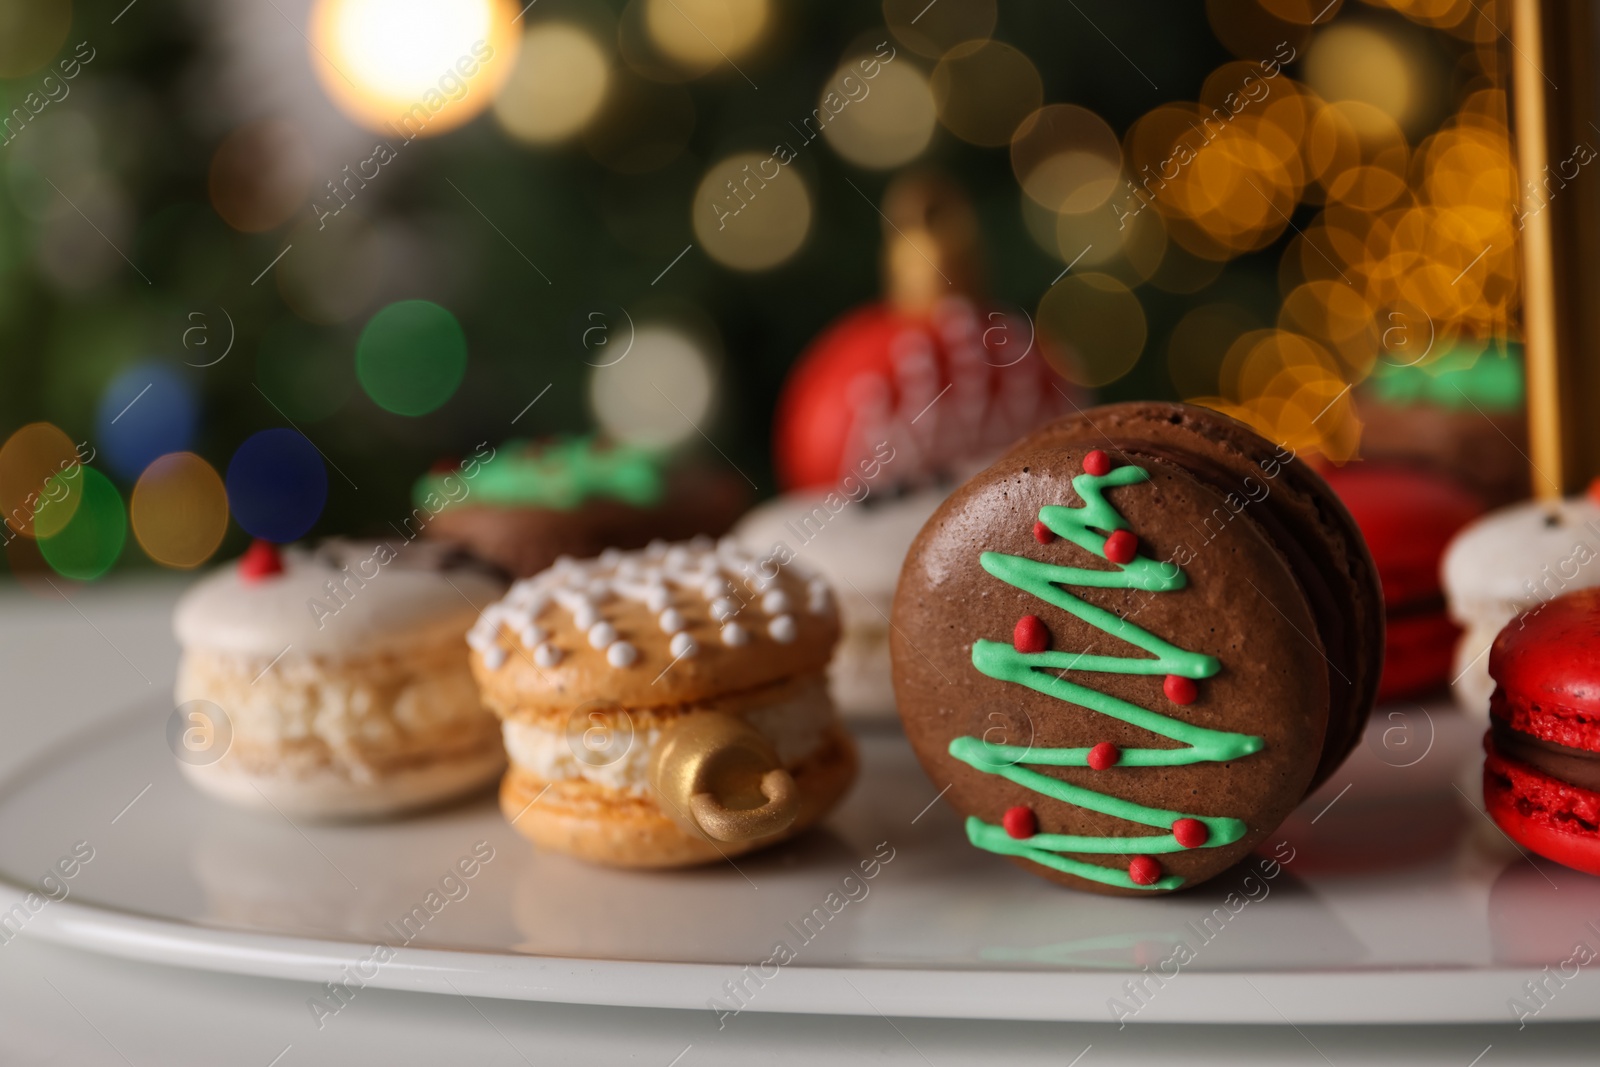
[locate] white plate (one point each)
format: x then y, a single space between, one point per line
1401 903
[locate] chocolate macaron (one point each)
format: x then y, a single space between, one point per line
1134 644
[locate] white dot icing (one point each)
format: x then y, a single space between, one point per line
683 646
671 621
818 597
723 608
656 598
775 602
611 557
494 657
734 635
531 636
783 629
621 654
586 616
547 655
601 635
714 588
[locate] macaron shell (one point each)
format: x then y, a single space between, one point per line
1418 650
1546 663
1241 604
1407 517
1522 555
1558 821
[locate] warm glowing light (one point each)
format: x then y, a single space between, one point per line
179 510
1099 323
260 175
413 67
882 122
1067 158
984 90
30 33
38 470
557 86
659 395
751 211
933 29
703 33
1351 61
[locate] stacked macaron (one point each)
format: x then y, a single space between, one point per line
667 706
1510 561
1408 516
1541 778
339 677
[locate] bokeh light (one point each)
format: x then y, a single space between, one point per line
660 394
29 461
260 175
700 34
984 90
90 542
1067 158
889 125
411 357
412 67
179 510
146 410
277 485
1100 324
305 371
751 212
30 33
558 85
933 29
1353 61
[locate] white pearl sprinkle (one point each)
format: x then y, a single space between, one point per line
818 598
734 635
775 602
701 543
657 598
683 646
723 608
714 588
655 549
621 654
611 557
481 638
531 636
547 655
677 556
601 635
671 621
585 616
783 629
494 657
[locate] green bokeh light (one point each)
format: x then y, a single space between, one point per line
90 542
411 357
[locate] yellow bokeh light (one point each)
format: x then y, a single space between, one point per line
984 90
557 86
703 33
933 29
1351 61
1067 158
1099 324
38 471
179 510
414 68
661 394
880 122
751 211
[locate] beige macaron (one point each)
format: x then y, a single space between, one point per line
666 706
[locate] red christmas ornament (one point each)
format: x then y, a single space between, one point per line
1043 534
1191 833
1594 491
1121 546
1180 690
1020 821
260 561
1030 635
1144 871
1104 755
1097 463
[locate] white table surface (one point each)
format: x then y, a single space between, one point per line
66 664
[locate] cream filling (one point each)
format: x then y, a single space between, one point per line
618 756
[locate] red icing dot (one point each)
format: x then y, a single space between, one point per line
260 560
1031 634
1097 463
1043 534
1144 870
1191 833
1104 755
1121 547
1180 690
1020 821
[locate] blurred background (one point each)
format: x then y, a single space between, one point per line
301 250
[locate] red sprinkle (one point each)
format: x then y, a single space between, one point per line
1043 534
1144 870
1180 690
1121 546
261 560
1191 833
1104 755
1097 463
1030 635
1020 821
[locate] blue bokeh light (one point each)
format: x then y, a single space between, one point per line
277 485
146 411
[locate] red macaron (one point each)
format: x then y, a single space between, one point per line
1541 779
1408 515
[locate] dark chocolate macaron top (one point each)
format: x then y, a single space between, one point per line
1111 661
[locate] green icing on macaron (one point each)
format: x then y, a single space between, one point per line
1490 378
562 474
